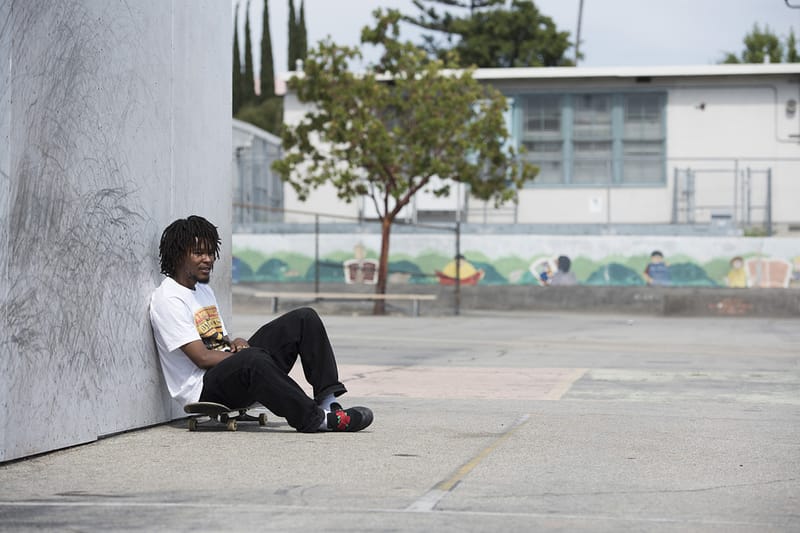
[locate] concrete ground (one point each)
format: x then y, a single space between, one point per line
485 422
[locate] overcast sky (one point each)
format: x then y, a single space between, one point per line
613 32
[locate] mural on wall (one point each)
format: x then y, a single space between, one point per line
735 262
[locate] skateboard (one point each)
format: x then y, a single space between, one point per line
208 411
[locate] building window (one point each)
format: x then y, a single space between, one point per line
594 139
541 135
643 139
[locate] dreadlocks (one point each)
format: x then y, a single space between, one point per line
184 235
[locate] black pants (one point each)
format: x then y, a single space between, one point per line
260 373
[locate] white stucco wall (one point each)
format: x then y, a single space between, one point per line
114 120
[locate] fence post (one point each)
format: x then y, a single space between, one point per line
675 195
769 203
316 254
458 269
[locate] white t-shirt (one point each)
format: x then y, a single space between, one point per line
180 315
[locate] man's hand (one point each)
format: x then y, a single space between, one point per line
238 344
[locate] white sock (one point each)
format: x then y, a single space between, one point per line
323 426
326 402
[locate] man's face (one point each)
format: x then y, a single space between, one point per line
197 265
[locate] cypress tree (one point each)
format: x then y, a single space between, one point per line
292 38
267 70
248 92
236 90
302 37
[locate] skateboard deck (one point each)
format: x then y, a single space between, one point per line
203 412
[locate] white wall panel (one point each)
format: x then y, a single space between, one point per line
97 152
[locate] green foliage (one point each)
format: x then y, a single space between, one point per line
298 36
248 87
302 34
397 133
265 110
755 231
267 74
267 115
294 39
498 36
792 56
760 44
238 80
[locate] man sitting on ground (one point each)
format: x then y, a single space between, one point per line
201 363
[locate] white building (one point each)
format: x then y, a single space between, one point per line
662 145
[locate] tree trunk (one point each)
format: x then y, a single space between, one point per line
383 266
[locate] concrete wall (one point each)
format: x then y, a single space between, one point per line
114 120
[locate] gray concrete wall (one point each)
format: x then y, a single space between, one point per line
114 120
632 301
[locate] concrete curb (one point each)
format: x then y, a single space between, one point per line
667 301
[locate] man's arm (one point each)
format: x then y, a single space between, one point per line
202 356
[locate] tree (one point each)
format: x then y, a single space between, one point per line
491 35
293 43
298 38
267 74
248 92
759 45
791 49
302 34
385 134
236 90
266 109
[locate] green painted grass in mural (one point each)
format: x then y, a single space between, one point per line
425 268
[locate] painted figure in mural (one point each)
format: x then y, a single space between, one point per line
737 275
201 363
563 276
657 271
546 274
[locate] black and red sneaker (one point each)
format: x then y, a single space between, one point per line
351 419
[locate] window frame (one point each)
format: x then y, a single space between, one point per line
617 159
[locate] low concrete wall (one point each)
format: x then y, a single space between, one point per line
625 300
114 120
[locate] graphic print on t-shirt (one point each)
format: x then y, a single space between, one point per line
209 326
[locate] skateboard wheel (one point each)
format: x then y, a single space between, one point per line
192 424
262 419
231 425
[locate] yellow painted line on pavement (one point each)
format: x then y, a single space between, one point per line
565 384
431 498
